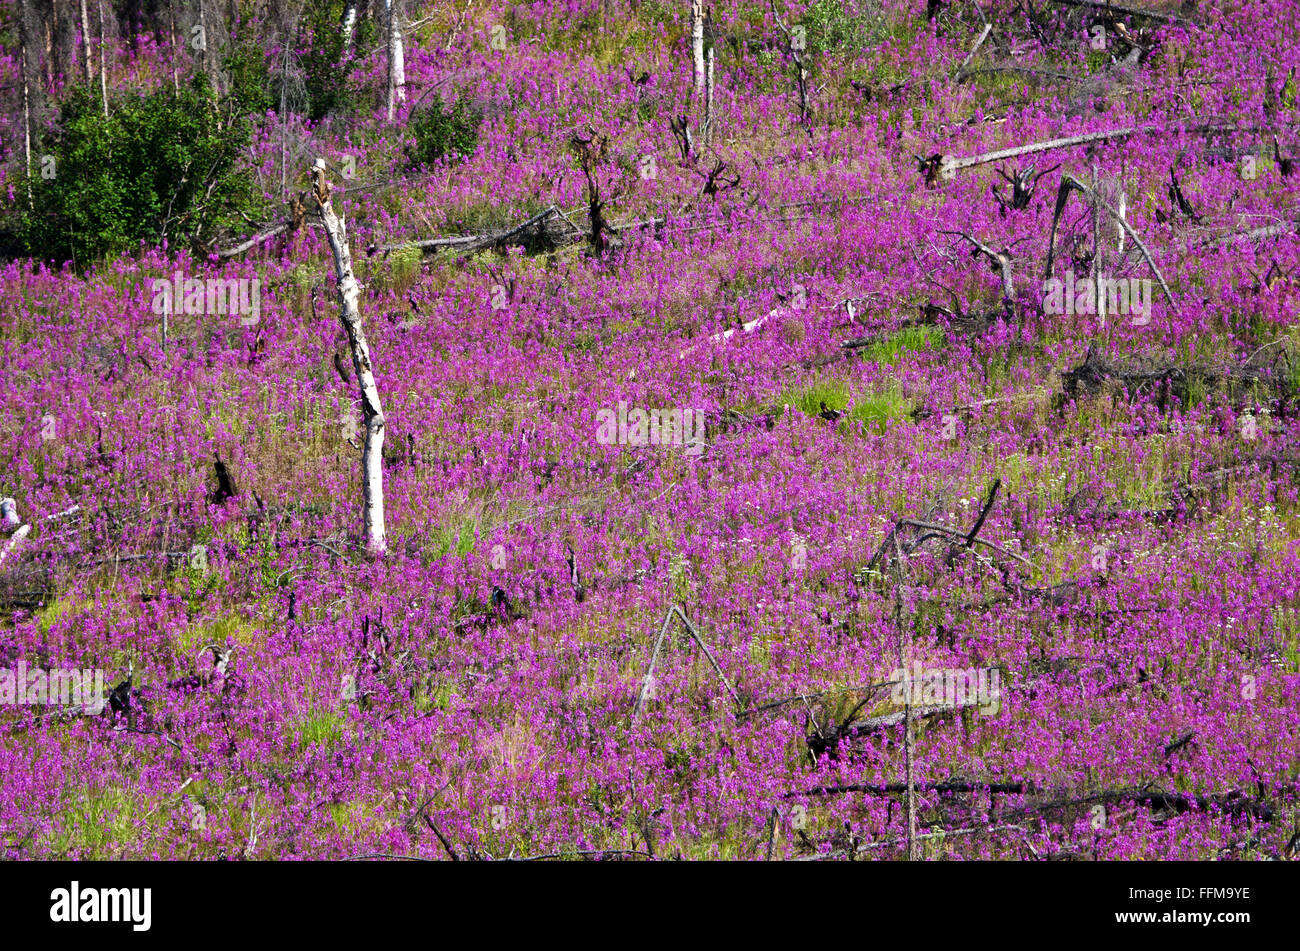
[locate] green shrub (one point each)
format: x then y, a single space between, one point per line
842 26
441 132
327 73
250 77
165 165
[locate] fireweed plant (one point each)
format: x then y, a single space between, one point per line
1116 504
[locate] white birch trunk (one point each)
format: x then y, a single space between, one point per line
103 79
1123 212
347 24
372 472
697 42
85 42
27 109
396 60
707 131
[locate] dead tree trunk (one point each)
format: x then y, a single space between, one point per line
346 25
85 42
103 79
797 45
27 107
396 60
372 472
697 42
905 661
706 131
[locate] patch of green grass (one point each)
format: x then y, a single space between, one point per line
225 630
55 612
874 411
404 267
352 817
908 340
93 822
320 727
809 400
457 535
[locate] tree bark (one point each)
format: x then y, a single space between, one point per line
372 473
697 42
396 60
103 79
27 108
347 24
707 130
85 42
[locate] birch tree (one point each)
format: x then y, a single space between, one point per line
396 60
85 41
372 472
27 107
347 23
697 42
706 129
103 78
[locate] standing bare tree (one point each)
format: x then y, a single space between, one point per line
396 60
706 128
697 42
347 23
103 78
372 472
85 42
27 106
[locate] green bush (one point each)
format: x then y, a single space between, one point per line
326 71
164 165
440 132
250 77
842 26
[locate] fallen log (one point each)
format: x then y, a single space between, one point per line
1113 8
476 242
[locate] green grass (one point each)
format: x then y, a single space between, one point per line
95 822
874 411
320 727
908 340
809 400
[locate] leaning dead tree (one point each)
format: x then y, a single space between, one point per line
372 471
1070 183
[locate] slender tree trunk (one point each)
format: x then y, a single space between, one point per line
27 107
203 32
85 42
53 64
103 79
1100 308
396 60
697 42
176 79
707 130
372 473
347 24
281 118
1123 213
905 662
